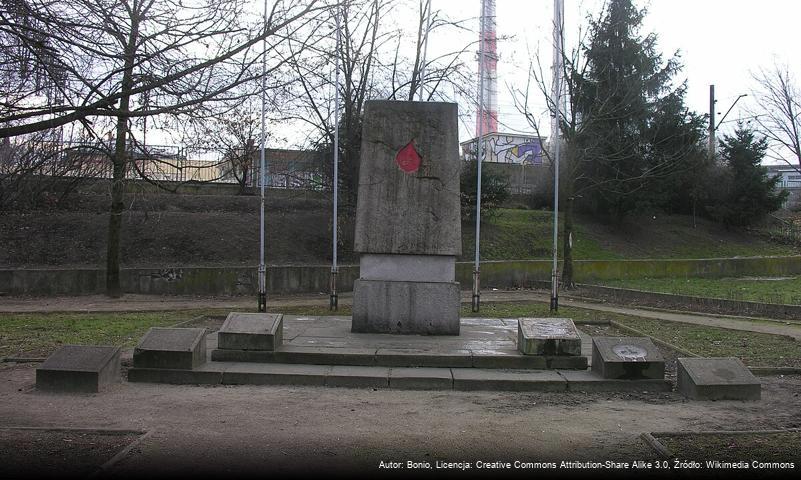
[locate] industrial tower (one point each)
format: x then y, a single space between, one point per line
487 115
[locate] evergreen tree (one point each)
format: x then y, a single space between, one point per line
638 130
750 193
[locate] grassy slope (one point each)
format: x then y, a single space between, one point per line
172 230
519 234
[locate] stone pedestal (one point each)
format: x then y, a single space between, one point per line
631 358
174 348
548 336
251 331
408 220
427 308
79 368
716 379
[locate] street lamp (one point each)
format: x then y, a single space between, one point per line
729 110
712 126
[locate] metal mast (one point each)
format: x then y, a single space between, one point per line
262 164
334 299
558 22
486 119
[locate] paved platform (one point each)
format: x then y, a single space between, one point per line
483 343
322 351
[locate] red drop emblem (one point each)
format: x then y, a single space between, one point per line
408 159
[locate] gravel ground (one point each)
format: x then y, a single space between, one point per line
260 431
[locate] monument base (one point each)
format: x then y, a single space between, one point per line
423 308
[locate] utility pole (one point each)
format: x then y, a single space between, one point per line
711 151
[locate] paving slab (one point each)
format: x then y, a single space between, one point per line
175 376
251 331
716 379
298 354
79 368
171 348
389 357
627 358
275 374
588 381
505 380
420 379
548 336
358 377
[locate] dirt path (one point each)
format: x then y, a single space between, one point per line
101 303
255 430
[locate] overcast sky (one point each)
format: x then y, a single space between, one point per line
720 42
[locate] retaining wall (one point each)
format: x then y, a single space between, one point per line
315 278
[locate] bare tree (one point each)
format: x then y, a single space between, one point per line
130 59
379 59
779 115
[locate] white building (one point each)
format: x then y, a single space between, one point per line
790 181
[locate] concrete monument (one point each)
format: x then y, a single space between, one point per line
408 220
716 379
79 368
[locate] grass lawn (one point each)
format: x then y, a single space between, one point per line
37 335
785 290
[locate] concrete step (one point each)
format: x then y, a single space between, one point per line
403 357
401 378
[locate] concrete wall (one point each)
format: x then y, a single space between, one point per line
315 278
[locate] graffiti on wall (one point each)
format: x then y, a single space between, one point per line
511 149
508 149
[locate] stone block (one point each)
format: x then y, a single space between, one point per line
171 348
175 376
251 331
79 368
444 358
588 381
629 358
421 379
468 379
358 377
548 336
716 379
409 209
426 308
278 374
407 268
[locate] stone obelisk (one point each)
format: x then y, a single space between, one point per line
408 222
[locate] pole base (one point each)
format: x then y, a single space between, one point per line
262 302
476 303
333 302
554 304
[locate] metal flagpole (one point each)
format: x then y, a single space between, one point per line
557 92
334 300
262 166
425 49
479 147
